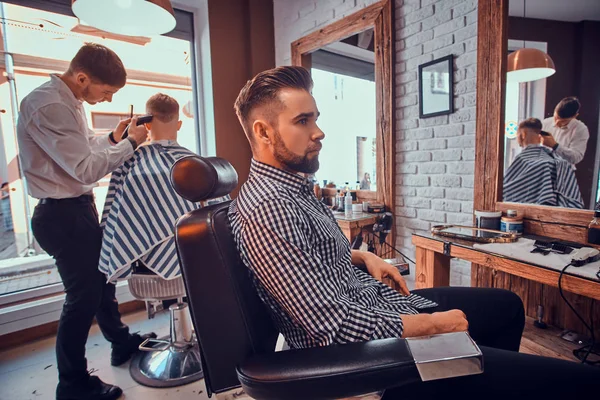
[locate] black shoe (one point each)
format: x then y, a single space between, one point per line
92 389
121 353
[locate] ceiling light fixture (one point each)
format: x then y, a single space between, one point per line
527 64
127 17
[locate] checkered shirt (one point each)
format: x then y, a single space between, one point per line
300 263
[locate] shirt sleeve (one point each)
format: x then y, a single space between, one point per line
576 150
300 282
99 143
55 129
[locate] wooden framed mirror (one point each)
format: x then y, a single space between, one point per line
557 222
492 52
376 18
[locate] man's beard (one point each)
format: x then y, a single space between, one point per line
292 161
85 94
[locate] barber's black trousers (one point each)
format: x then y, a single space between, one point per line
70 233
496 320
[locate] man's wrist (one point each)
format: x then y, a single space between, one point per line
365 256
134 144
111 138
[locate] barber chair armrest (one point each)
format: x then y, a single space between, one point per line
340 371
330 372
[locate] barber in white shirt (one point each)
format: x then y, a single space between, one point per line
62 161
568 136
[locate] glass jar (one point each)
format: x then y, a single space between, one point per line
594 229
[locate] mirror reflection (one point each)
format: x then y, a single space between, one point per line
344 89
551 147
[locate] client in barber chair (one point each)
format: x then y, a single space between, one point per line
537 175
304 271
141 206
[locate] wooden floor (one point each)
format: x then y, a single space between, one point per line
546 342
28 372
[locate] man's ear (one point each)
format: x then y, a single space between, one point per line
82 79
260 130
148 125
179 124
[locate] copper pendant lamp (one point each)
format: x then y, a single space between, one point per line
527 64
127 17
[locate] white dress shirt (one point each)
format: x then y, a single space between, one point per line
60 155
572 139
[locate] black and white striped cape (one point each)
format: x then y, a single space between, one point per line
140 212
538 176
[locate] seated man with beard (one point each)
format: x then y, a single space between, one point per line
304 271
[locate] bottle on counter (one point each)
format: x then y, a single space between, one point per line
348 204
594 229
357 185
340 200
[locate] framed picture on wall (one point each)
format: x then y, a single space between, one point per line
436 82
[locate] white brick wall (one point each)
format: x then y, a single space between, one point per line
434 156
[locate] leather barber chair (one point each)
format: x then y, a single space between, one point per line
237 336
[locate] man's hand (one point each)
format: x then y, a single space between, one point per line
139 133
118 132
548 141
450 321
432 324
380 270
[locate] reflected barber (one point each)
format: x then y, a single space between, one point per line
568 136
63 160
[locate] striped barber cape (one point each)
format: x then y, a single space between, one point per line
140 212
538 176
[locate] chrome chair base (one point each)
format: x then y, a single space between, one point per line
167 367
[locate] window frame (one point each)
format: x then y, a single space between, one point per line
30 307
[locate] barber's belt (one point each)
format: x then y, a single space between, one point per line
84 198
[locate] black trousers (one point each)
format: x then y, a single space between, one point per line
496 320
69 231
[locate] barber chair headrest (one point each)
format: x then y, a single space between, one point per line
198 178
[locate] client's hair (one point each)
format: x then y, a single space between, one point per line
100 63
568 107
532 124
163 107
263 90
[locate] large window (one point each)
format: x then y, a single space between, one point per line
347 107
37 43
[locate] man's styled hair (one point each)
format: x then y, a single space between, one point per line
163 107
568 107
263 90
100 63
532 124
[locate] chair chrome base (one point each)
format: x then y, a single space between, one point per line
173 366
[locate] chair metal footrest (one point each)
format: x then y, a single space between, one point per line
154 345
